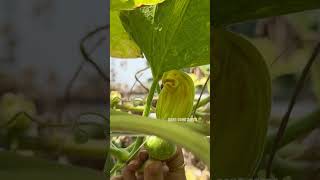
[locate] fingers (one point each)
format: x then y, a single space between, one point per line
177 161
153 170
143 155
129 172
176 167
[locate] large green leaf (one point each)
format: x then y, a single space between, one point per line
121 44
242 103
172 35
17 167
226 12
182 135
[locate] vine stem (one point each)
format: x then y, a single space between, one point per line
93 149
138 73
203 102
198 101
295 129
286 116
120 154
139 141
86 55
146 111
137 79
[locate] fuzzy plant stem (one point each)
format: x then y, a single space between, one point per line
139 141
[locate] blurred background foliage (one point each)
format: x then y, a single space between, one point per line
287 42
45 78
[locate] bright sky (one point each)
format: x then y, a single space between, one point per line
125 74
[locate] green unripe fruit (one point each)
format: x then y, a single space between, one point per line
137 102
115 98
159 149
10 105
176 97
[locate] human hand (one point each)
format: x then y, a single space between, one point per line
172 169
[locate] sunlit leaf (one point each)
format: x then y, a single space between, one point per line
121 44
172 35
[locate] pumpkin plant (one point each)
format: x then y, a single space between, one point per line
143 26
174 35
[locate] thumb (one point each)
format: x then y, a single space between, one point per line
153 170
